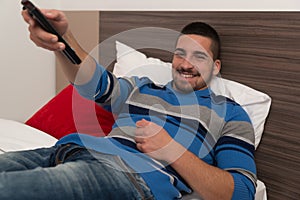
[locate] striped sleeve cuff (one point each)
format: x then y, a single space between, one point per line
96 86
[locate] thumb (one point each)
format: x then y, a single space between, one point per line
52 14
142 123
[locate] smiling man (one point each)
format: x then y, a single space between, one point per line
199 142
193 64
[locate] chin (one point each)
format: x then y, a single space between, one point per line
183 87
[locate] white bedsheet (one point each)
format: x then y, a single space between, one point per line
16 136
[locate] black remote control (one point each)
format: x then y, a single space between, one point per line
36 14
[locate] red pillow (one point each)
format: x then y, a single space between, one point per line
68 112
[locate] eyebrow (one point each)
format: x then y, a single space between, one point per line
179 49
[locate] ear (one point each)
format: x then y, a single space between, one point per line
217 67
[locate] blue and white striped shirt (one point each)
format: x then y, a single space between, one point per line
212 127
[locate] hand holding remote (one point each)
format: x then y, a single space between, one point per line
57 19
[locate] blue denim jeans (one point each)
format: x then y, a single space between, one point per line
68 172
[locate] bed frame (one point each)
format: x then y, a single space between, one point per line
259 49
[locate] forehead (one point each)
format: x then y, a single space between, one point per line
194 43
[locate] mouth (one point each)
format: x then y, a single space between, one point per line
187 75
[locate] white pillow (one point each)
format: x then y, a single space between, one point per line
134 63
255 103
15 136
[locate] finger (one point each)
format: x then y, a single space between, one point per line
44 39
142 123
139 146
139 132
139 139
40 33
27 18
46 45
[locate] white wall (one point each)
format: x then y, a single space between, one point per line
286 5
26 72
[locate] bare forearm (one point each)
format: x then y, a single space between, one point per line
77 74
208 181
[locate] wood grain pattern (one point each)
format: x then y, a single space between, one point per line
259 49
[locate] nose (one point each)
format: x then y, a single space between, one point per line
186 64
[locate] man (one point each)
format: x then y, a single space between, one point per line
167 140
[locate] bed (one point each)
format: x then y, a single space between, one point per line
260 55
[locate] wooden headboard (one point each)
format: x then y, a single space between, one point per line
261 50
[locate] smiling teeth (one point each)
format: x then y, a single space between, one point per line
187 75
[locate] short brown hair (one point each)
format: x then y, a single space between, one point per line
203 29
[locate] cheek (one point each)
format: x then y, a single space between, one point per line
175 66
175 62
205 68
201 70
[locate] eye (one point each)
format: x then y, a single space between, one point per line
200 56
